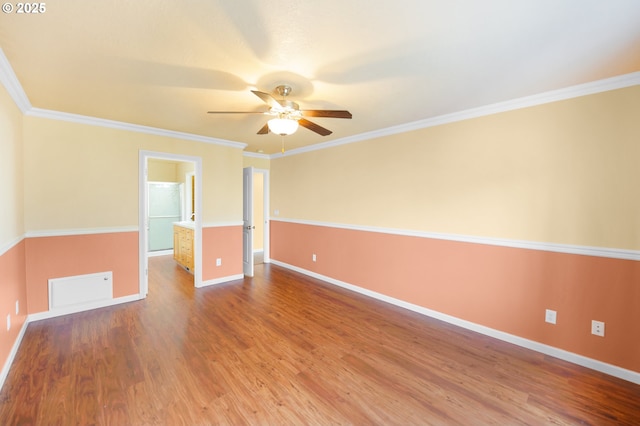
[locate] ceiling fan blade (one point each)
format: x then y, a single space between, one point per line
326 113
268 99
234 112
314 127
264 130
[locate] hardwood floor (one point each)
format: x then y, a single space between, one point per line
283 348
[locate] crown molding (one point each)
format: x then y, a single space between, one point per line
605 85
13 86
93 121
10 81
256 155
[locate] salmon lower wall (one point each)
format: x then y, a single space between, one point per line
69 255
13 287
225 243
503 288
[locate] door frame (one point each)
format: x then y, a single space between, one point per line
143 205
187 196
265 205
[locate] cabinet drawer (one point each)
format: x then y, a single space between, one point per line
183 246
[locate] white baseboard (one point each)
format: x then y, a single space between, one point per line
52 314
12 355
159 253
603 367
86 307
221 280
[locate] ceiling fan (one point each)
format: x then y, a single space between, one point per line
288 115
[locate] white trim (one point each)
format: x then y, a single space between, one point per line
613 83
11 244
86 307
613 253
187 190
532 245
13 86
10 81
222 224
143 157
159 253
79 231
118 125
622 373
266 208
256 155
12 354
221 280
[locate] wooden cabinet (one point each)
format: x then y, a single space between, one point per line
183 246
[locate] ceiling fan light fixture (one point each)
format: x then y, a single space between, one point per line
283 126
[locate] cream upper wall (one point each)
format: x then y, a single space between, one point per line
162 171
182 168
256 162
565 172
168 170
11 171
80 176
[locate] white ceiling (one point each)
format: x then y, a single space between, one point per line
165 63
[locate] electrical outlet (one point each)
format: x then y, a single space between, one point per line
597 328
313 257
17 307
8 322
218 262
550 316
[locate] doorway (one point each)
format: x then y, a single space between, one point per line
187 171
255 218
166 203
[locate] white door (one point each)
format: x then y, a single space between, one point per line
247 220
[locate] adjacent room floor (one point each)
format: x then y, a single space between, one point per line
283 348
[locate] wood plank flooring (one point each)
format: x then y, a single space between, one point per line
282 348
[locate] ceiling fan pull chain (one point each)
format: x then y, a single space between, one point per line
282 137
